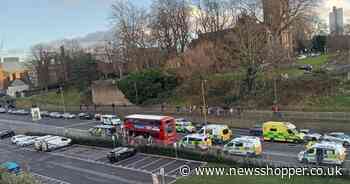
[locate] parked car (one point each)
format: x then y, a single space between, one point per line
302 56
310 135
22 112
3 110
307 68
26 141
97 116
120 153
256 130
6 134
44 114
11 167
184 126
68 116
56 115
29 142
19 138
339 137
85 116
53 143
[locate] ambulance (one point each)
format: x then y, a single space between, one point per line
281 131
245 146
323 153
195 141
218 133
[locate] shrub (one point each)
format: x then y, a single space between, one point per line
148 85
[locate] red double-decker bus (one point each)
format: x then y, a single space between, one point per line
162 128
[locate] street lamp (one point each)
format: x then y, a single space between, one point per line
204 104
62 98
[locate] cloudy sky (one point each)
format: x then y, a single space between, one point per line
27 22
326 7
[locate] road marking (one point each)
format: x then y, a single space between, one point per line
134 163
163 166
100 174
154 161
79 124
50 179
126 160
180 159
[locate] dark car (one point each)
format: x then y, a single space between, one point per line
85 116
307 68
6 134
256 131
120 153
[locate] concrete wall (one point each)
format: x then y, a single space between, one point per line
107 93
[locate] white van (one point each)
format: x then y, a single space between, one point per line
38 144
324 153
111 120
53 144
245 146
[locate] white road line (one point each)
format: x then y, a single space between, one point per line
154 161
134 163
126 160
100 174
163 166
39 176
79 124
180 159
178 168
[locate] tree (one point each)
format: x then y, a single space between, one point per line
133 35
319 43
214 16
171 25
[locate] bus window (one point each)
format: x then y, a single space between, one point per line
169 127
273 129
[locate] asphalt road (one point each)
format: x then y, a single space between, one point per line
77 163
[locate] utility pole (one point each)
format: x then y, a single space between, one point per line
136 93
62 98
204 104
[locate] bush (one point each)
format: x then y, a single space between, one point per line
24 178
148 85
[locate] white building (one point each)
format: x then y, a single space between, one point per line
17 87
336 21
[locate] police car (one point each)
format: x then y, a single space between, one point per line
245 146
324 152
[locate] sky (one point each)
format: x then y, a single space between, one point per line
24 23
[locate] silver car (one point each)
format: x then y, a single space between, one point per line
338 137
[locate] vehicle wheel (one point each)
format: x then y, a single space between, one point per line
304 161
346 144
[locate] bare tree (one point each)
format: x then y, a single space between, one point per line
171 25
214 16
132 33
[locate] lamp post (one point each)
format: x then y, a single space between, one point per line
62 98
204 104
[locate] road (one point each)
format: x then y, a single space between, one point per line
77 163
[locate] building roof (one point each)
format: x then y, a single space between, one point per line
13 66
17 83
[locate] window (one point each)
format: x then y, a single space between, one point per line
273 129
190 139
311 151
239 144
